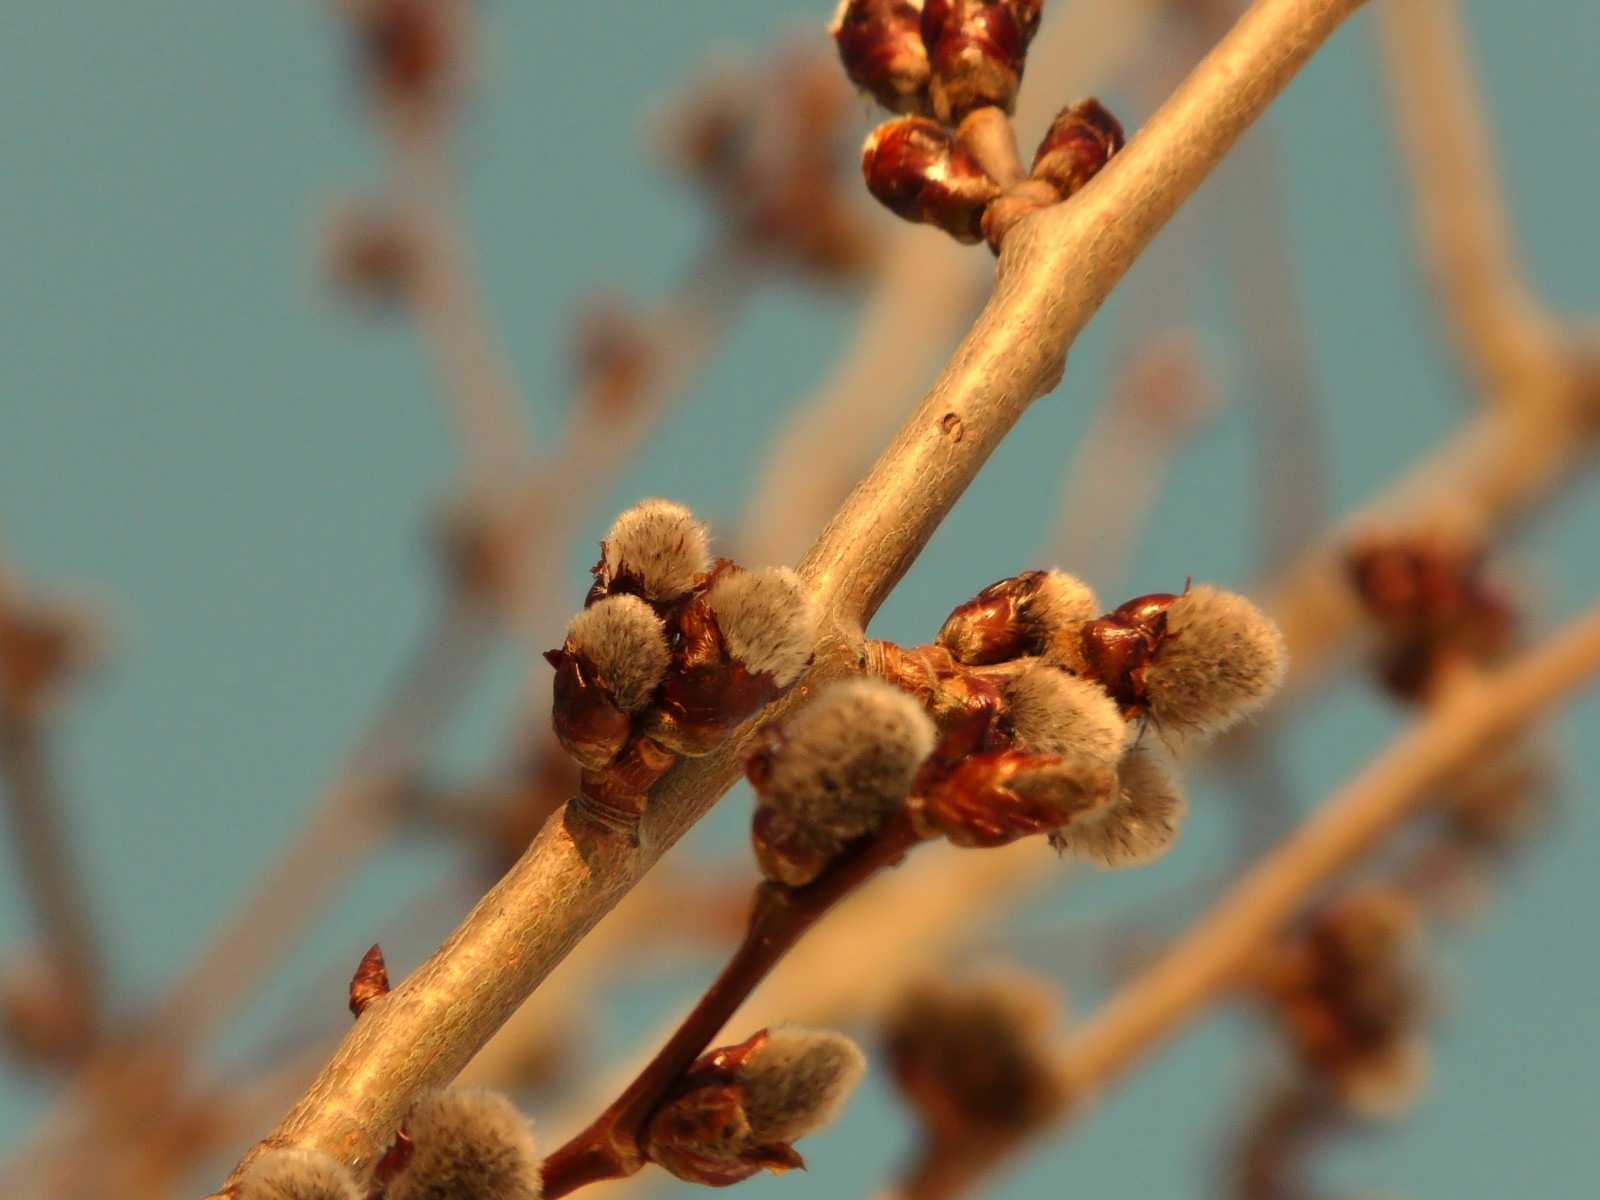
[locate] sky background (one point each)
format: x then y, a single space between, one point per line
192 431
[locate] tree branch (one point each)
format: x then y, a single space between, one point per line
1057 269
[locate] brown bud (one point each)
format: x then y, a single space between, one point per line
1080 141
975 1057
880 44
975 792
1115 650
370 252
919 172
411 51
608 669
1026 614
739 1107
370 981
47 1011
976 50
44 645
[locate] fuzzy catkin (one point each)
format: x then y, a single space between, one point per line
298 1174
847 758
799 1082
1058 608
468 1144
659 547
768 620
1057 713
1221 660
1140 825
623 639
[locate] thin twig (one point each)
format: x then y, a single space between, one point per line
1056 270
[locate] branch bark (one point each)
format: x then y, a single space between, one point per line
1057 269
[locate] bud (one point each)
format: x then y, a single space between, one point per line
735 646
739 1107
880 44
1080 141
919 172
370 981
1052 712
298 1175
47 1009
976 51
656 550
1193 663
614 658
412 51
832 774
467 1142
974 1057
1026 614
980 795
1140 825
45 645
370 252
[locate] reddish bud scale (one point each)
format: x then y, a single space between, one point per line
706 692
976 52
396 1158
919 172
1080 141
701 1134
370 981
989 627
37 649
405 46
979 803
880 44
588 724
1117 648
615 797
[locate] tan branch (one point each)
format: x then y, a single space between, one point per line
1498 327
1057 269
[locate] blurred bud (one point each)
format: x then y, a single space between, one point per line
1140 824
612 358
739 1108
370 252
1026 614
977 793
45 646
1194 663
1350 993
973 1057
976 51
880 44
737 645
47 1011
832 774
919 172
411 52
656 550
1052 712
474 538
298 1175
1080 141
467 1143
614 658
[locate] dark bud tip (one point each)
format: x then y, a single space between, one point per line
370 981
919 172
976 52
880 44
1080 141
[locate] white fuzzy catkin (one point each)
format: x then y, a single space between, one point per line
1221 661
659 544
1140 825
799 1082
1057 713
624 640
767 618
468 1144
298 1175
847 758
1059 607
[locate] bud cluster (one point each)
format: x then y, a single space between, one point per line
1435 605
739 1109
1349 993
952 69
763 143
670 653
1023 717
